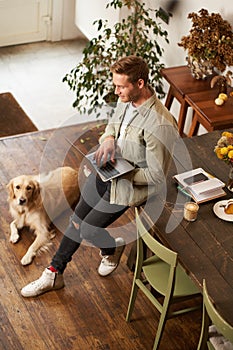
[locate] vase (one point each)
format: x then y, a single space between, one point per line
200 69
230 180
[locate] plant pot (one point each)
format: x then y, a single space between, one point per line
200 69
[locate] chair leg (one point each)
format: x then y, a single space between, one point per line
160 330
132 299
162 322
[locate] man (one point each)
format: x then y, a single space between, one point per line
144 132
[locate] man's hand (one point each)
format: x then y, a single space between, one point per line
105 149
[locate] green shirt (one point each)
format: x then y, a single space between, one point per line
147 143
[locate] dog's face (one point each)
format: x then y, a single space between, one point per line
23 190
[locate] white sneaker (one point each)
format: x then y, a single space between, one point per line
109 263
48 281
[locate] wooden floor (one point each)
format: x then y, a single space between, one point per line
89 313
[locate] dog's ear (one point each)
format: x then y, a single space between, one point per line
36 190
10 188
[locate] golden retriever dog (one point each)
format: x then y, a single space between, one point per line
35 200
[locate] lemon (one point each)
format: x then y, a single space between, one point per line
223 96
219 101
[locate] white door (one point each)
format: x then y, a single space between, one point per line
23 21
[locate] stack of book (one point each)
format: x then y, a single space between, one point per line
200 185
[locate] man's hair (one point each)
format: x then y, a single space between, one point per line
132 66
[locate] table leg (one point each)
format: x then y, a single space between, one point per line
182 116
194 126
132 257
169 99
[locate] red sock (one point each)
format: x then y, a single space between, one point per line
51 268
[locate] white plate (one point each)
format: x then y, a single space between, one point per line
219 211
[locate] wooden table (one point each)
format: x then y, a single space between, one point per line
204 247
207 113
182 83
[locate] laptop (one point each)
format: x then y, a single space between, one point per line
111 170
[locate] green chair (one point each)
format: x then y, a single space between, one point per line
211 316
166 277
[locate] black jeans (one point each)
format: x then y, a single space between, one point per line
92 215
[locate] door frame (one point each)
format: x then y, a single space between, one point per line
56 11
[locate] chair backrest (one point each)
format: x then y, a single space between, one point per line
211 316
157 248
222 326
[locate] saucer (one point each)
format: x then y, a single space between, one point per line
219 211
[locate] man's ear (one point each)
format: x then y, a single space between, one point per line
141 83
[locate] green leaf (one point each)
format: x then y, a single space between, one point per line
100 23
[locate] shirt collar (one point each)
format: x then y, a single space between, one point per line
146 106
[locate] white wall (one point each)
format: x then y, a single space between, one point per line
69 29
87 11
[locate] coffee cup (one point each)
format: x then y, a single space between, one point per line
190 211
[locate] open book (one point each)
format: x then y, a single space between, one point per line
200 185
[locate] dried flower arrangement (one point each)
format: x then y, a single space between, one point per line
210 38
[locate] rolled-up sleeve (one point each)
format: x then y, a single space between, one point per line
109 131
158 151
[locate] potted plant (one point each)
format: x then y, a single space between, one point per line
209 43
136 34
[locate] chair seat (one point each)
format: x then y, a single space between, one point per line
156 267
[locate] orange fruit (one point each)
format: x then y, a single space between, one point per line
223 96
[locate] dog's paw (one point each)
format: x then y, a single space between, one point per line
14 237
27 259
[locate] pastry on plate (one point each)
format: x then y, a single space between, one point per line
229 207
